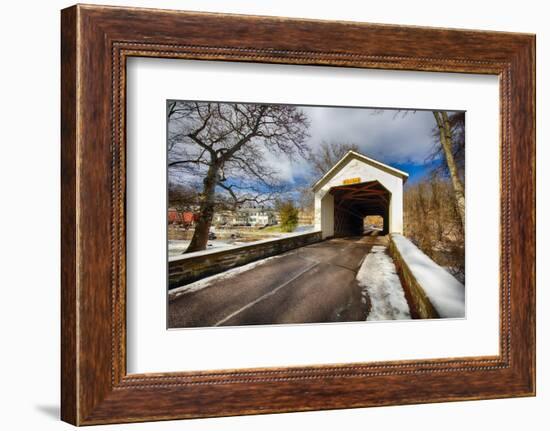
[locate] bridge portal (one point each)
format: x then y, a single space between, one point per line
354 188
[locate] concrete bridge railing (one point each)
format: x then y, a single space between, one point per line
191 267
434 292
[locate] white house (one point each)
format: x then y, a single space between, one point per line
261 217
355 187
253 216
223 217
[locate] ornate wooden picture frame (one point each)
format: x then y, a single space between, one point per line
96 41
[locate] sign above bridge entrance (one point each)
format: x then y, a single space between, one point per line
352 181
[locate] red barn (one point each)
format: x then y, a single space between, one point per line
188 217
174 217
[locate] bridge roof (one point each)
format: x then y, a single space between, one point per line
355 155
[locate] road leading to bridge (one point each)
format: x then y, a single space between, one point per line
312 284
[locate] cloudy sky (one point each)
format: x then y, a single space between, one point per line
400 139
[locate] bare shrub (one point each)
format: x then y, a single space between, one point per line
433 223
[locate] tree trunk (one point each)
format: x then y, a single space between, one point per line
206 211
445 137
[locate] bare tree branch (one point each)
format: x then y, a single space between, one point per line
227 146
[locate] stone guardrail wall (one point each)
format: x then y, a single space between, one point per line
189 268
435 293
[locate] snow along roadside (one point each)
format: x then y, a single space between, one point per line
205 282
446 293
379 281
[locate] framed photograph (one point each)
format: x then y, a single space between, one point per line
265 215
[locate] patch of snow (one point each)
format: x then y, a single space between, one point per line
227 246
379 280
304 228
373 228
205 282
176 247
445 292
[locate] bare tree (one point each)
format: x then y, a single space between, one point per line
182 197
433 225
445 129
305 200
227 147
327 154
458 131
450 134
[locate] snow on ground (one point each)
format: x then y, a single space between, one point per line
303 229
205 282
445 292
176 248
378 279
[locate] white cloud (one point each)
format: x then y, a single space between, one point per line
389 135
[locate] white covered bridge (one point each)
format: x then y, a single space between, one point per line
354 188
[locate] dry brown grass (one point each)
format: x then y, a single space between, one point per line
434 225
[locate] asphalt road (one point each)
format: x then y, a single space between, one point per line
312 284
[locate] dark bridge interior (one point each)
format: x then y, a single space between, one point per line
353 202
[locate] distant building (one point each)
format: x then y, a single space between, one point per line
249 216
174 216
186 218
223 218
189 218
261 217
240 218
